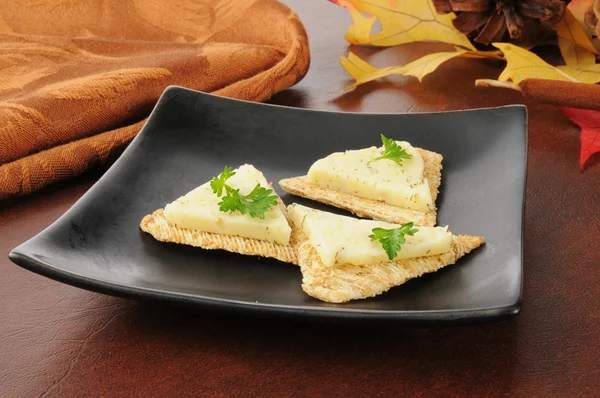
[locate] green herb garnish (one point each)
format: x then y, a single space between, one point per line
392 151
392 239
218 183
256 203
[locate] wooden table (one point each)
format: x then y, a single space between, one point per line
57 340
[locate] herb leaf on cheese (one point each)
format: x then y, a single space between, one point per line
392 239
256 203
392 151
218 183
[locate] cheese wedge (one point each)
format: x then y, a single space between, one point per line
374 208
347 282
199 210
345 240
157 225
355 173
195 220
338 282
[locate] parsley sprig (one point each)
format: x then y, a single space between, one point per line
256 203
218 183
392 239
392 151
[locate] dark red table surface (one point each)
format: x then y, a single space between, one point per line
57 340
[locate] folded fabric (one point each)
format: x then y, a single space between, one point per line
78 78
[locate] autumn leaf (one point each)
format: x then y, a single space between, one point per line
363 72
485 54
585 74
427 64
522 64
575 45
589 121
361 27
402 21
578 8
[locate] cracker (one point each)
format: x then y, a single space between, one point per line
157 225
346 282
369 208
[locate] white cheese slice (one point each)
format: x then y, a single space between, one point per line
345 240
382 180
199 210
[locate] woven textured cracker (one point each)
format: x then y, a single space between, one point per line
346 282
157 225
370 208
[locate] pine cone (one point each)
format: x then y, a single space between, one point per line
487 21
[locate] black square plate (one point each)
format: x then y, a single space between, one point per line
191 136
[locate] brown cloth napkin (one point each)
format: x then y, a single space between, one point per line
78 77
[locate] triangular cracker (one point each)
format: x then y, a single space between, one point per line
333 249
345 282
195 219
370 208
157 225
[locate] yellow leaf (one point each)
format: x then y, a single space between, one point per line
360 70
361 26
575 45
425 65
578 8
363 72
522 64
575 55
402 21
497 54
586 74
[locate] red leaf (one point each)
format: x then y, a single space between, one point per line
589 121
343 3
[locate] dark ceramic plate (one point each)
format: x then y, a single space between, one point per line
191 136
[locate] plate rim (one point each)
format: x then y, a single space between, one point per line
170 88
19 256
120 290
